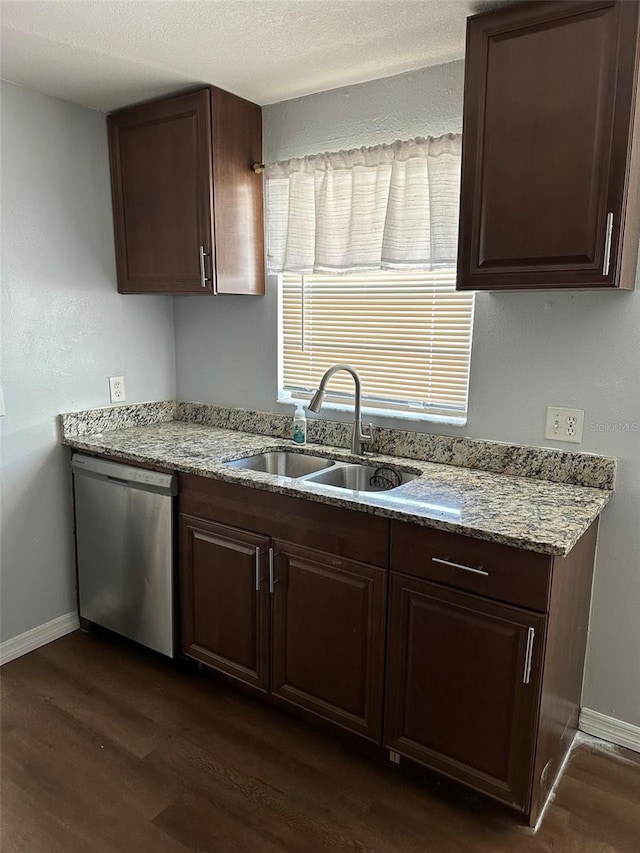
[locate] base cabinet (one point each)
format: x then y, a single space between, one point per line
461 655
306 626
328 624
462 687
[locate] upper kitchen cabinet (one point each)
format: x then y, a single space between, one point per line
551 164
187 203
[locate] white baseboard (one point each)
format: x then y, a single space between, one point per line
608 728
36 637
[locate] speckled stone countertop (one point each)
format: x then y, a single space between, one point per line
533 514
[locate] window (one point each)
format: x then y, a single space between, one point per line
407 334
365 243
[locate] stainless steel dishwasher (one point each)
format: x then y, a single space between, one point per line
125 549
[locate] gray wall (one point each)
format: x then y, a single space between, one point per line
65 329
239 333
530 350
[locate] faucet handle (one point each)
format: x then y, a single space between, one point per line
368 434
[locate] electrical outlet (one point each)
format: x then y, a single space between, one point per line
564 425
116 389
2 412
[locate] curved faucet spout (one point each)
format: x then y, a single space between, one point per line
359 438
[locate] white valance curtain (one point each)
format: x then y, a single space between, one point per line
390 207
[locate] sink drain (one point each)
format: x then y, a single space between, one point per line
385 478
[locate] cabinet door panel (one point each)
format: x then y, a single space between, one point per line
456 697
548 105
161 171
239 224
224 617
328 637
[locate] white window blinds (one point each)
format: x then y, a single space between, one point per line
390 207
407 334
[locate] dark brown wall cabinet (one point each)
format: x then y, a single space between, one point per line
485 643
551 147
187 204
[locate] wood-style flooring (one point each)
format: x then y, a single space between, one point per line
108 748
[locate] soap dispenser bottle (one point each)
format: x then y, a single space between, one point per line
300 425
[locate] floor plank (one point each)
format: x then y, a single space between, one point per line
108 748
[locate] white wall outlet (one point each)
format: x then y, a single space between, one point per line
2 412
116 389
564 424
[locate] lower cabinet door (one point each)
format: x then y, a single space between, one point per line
463 686
328 625
225 599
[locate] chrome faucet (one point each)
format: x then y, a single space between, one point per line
359 437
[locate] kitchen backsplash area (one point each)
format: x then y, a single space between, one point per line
541 463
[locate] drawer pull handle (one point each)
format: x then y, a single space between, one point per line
257 559
528 657
478 571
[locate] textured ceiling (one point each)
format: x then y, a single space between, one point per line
108 53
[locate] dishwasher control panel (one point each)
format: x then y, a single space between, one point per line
119 473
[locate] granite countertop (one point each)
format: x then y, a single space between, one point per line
533 514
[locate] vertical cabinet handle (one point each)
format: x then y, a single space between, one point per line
607 244
257 567
528 657
272 580
203 269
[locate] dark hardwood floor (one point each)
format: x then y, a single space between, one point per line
107 748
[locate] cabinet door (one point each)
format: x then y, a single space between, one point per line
161 177
239 225
549 99
225 599
328 637
463 686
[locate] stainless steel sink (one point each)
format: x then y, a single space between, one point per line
283 463
362 478
327 472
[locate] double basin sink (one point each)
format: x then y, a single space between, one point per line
327 472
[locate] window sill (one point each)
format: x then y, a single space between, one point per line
391 414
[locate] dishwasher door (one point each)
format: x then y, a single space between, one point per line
125 549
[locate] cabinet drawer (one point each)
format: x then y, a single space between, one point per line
489 569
